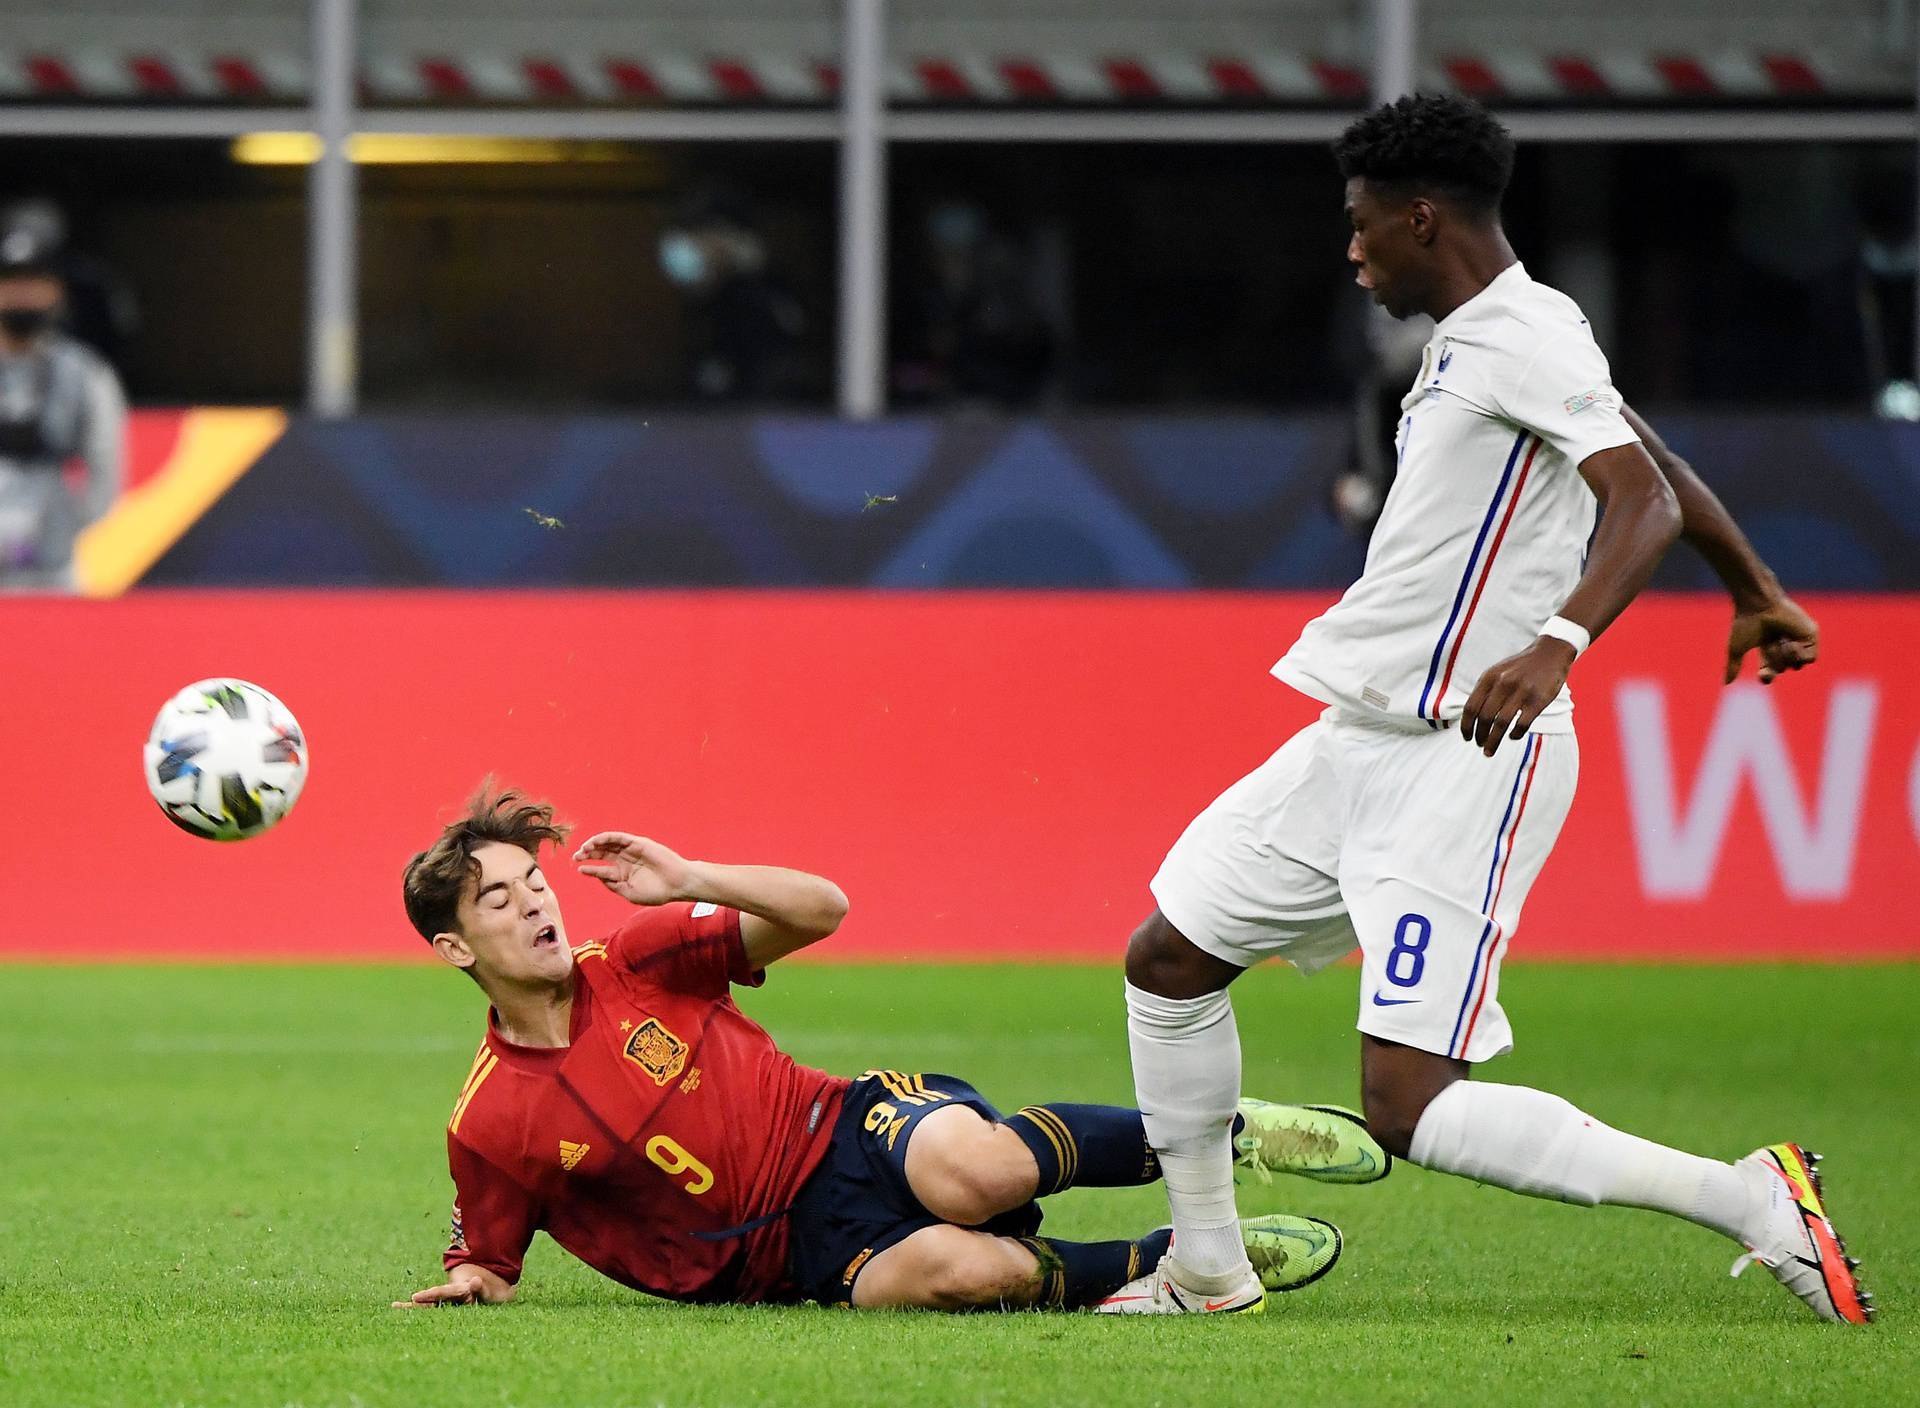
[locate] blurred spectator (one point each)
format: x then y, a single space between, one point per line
1888 260
745 321
1788 278
59 403
973 327
99 308
1389 365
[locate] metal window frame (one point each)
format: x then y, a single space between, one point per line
864 127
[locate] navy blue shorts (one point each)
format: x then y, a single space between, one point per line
857 1203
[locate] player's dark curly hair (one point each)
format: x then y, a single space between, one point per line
437 877
1449 145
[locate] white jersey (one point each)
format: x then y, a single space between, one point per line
1484 534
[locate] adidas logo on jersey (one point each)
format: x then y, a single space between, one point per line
571 1154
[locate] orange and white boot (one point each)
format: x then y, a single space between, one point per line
1796 1240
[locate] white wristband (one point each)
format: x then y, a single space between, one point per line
1577 636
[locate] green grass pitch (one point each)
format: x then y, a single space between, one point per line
214 1179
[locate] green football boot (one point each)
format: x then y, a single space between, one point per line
1289 1252
1326 1143
1284 1253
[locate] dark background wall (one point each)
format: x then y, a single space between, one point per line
1203 277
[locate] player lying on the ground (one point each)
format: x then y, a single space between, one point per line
1377 825
622 1102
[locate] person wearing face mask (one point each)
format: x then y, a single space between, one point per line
744 323
972 325
60 404
97 306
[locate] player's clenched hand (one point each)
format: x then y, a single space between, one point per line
1786 637
1511 694
636 868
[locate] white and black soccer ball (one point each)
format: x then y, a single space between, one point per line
225 760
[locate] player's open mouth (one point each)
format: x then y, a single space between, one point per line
545 935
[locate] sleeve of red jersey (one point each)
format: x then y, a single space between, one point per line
690 948
493 1217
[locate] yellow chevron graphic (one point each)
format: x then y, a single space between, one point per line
215 448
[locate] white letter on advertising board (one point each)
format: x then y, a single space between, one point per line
1913 795
1679 843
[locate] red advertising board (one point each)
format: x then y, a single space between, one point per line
988 775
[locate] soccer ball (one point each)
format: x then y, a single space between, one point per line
225 760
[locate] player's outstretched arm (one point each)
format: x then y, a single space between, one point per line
465 1285
1765 618
1639 521
781 910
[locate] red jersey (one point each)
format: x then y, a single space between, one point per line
670 1115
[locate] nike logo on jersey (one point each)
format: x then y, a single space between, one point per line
1379 1001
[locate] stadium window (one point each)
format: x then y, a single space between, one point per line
1167 275
223 324
607 274
1115 274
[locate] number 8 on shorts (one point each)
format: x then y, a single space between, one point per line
1409 943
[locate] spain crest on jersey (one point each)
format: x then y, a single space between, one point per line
656 1051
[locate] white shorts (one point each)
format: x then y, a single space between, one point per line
1415 846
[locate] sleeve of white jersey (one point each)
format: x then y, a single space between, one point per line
1565 396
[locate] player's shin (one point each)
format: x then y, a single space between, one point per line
1076 1274
1539 1144
1186 1075
1088 1146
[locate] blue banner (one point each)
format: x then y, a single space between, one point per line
1084 502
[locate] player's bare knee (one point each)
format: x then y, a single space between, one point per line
1397 1084
998 1183
1393 1109
1164 961
966 1169
1152 955
969 1196
1391 1122
987 1273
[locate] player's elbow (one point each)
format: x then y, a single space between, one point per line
1664 519
1672 467
832 912
1645 503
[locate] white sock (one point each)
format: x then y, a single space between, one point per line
1186 1077
1538 1144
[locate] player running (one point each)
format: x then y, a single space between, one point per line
1377 825
622 1102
